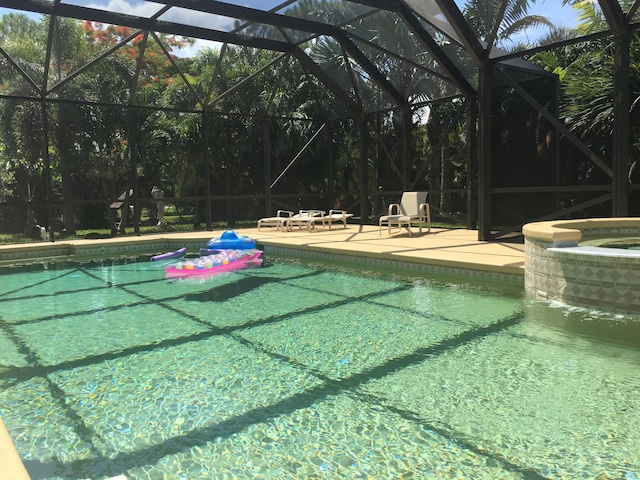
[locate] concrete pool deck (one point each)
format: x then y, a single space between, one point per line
445 248
449 248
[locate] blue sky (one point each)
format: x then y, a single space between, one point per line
555 12
552 9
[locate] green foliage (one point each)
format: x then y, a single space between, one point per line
17 25
260 108
482 15
586 73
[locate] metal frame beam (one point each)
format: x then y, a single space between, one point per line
463 30
619 24
434 49
556 123
149 24
484 149
371 69
321 75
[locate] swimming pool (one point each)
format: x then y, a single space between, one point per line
297 370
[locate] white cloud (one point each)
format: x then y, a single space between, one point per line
147 9
129 7
178 15
192 50
185 16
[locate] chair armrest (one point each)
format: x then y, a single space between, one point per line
284 213
393 206
338 212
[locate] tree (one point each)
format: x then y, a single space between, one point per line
587 78
482 14
16 25
20 121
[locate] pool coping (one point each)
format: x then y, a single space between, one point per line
441 250
570 232
12 466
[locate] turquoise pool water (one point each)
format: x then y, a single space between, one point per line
298 371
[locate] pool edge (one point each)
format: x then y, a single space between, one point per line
12 466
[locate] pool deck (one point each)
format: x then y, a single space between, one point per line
451 248
441 248
447 248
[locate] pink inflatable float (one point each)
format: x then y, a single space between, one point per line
225 261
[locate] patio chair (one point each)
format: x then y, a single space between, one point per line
306 218
413 208
279 221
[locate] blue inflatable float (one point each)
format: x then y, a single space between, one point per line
229 240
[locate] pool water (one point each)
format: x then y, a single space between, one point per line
296 371
625 242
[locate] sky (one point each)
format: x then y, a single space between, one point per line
555 12
552 9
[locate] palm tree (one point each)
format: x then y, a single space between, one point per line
482 14
65 56
588 87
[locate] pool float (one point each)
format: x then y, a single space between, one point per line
224 261
168 256
229 240
209 251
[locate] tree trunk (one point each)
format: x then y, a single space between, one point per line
446 170
65 162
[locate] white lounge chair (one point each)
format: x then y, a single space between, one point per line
337 216
279 221
413 208
306 218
